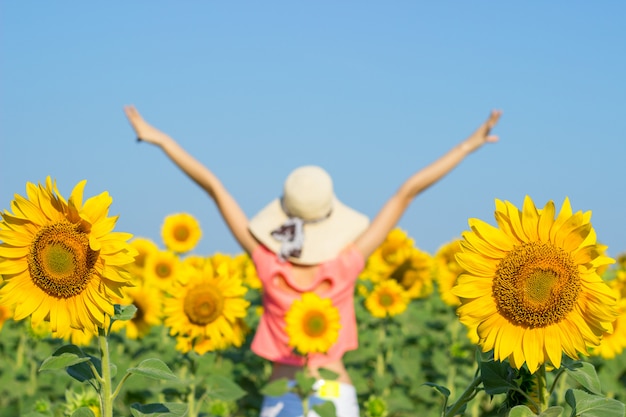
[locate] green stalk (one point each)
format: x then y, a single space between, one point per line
467 395
542 391
106 399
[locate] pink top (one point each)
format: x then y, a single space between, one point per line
271 341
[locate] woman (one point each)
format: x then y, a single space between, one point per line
307 240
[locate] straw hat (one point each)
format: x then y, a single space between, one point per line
308 218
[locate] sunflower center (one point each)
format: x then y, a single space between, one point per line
314 323
536 285
386 300
60 260
203 305
163 270
181 233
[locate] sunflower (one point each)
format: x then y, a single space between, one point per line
62 262
531 289
144 247
181 232
163 268
446 270
397 258
206 304
312 324
388 298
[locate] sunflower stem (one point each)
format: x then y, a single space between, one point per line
106 399
380 357
542 392
467 395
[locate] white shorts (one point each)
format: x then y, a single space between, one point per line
289 405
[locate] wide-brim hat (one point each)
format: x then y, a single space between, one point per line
328 225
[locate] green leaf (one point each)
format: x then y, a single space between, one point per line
590 405
554 411
328 375
158 410
585 374
222 388
276 388
123 313
83 412
83 372
62 361
497 377
521 411
304 382
325 409
153 368
443 390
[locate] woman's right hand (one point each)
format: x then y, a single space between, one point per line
143 130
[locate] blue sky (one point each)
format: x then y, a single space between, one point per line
371 91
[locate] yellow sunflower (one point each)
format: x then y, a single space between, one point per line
397 258
206 305
62 260
144 247
446 271
531 289
312 324
388 298
181 232
163 268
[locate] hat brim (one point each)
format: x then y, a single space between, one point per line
323 240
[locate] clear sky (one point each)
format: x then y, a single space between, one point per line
371 91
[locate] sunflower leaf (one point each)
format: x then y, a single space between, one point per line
153 368
325 409
585 374
521 411
276 388
442 390
124 313
222 388
590 405
158 410
554 411
62 361
83 412
497 377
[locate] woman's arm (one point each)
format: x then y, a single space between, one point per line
233 215
390 214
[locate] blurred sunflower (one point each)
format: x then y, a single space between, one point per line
6 313
531 288
446 270
144 248
388 298
206 305
163 268
62 260
397 258
312 324
180 232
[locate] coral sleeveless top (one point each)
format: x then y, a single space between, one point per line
271 341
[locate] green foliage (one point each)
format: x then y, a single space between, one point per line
417 363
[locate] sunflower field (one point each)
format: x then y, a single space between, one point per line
524 318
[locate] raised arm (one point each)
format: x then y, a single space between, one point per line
392 211
233 215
